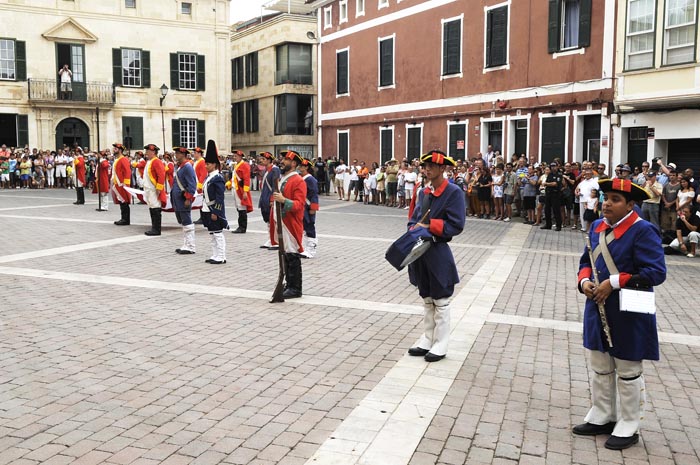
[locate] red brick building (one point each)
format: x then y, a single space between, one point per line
400 77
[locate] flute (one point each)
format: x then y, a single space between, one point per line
596 281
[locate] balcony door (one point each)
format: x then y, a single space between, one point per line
72 55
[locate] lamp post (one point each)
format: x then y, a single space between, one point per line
163 93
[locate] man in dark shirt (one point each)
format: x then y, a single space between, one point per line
552 197
687 235
320 175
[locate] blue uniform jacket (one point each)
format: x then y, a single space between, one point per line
639 258
185 174
435 273
311 204
215 187
268 187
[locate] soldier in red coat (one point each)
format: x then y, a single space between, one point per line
121 177
241 191
101 186
79 170
292 196
154 188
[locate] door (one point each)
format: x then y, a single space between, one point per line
591 138
496 136
72 132
685 153
521 136
72 55
637 146
553 139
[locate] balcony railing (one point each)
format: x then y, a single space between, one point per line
49 90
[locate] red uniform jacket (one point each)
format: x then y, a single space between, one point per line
79 164
140 165
241 184
103 175
156 173
169 173
294 190
200 170
121 176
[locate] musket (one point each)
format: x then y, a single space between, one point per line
278 294
601 306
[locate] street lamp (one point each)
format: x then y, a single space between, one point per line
163 93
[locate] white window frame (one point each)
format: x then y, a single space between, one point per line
382 4
668 29
393 62
578 131
188 133
343 12
347 94
393 141
459 18
328 17
359 8
183 9
186 76
512 121
464 122
420 126
337 143
628 35
138 80
486 12
8 64
562 27
542 116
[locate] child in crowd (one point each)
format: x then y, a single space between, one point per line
401 189
591 212
372 178
367 190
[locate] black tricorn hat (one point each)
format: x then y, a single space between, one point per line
153 147
212 155
630 190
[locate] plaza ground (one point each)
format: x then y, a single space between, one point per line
113 349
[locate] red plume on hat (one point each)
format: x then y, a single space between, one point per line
212 155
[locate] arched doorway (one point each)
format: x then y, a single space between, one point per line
72 132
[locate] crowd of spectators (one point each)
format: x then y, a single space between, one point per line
565 193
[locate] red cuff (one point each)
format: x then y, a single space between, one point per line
189 196
584 273
436 226
314 207
624 278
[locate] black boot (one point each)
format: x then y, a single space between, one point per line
80 194
242 222
293 278
126 215
155 222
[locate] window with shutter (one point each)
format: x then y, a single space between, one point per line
342 78
413 142
8 60
238 115
251 69
452 47
22 130
386 62
237 76
132 132
497 37
386 149
251 108
569 25
344 146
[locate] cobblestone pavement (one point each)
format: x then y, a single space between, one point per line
115 350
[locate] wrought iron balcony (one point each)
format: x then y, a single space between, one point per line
49 90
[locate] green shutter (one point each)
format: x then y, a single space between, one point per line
133 137
174 73
254 71
342 73
146 69
22 130
201 133
386 58
554 22
584 26
20 61
200 72
176 133
497 37
117 66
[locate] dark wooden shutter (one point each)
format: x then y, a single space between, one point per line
413 150
22 130
117 66
201 133
497 37
200 73
343 147
254 69
554 24
386 60
174 72
584 26
452 48
342 73
146 69
20 60
176 133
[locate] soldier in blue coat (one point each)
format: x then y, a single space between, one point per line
181 197
441 212
309 240
628 256
271 176
213 208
